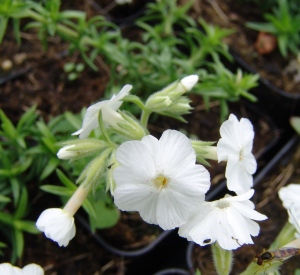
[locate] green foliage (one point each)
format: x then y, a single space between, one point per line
28 157
172 44
284 24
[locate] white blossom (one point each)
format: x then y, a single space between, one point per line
290 197
57 224
235 147
108 109
30 269
159 178
229 221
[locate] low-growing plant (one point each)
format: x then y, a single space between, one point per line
284 24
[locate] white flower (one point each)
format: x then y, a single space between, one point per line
30 269
159 178
8 269
290 197
57 224
108 109
227 221
235 147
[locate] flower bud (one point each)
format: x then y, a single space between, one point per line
93 172
169 101
129 127
204 150
80 148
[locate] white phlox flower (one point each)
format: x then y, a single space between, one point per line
235 147
57 224
30 269
290 197
229 221
108 109
160 179
8 269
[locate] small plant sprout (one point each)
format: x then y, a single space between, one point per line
228 221
159 178
235 147
108 109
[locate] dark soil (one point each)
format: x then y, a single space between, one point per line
235 14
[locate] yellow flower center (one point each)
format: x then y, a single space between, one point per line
241 155
160 182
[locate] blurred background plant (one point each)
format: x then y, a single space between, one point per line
170 45
28 159
283 21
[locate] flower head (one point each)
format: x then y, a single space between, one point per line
290 197
235 147
229 221
159 178
108 109
30 269
57 224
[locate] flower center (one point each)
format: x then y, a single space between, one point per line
241 155
223 204
160 182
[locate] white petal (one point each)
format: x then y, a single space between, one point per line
249 163
137 159
189 81
248 212
7 269
290 195
174 152
193 180
238 180
115 102
57 225
198 227
32 269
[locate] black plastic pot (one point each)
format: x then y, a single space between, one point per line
280 104
173 271
283 156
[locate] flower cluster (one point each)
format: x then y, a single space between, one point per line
160 178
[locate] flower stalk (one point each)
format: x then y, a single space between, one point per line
222 259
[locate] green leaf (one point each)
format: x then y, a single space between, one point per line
107 215
57 190
49 168
27 226
22 204
65 180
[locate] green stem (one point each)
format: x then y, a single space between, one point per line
59 27
145 117
222 259
103 130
